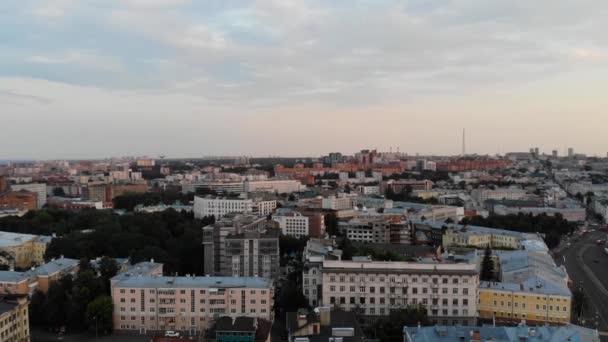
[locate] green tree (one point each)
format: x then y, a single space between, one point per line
391 329
38 309
331 224
108 267
58 191
99 315
487 266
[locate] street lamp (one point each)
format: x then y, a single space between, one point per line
95 319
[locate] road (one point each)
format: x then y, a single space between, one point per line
587 266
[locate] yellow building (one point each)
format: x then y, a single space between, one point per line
513 304
480 237
532 288
22 250
14 323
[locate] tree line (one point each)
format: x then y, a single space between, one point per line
170 237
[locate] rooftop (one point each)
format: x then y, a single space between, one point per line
9 239
567 333
194 282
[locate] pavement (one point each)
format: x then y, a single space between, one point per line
587 266
44 336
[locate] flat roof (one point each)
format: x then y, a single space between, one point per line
195 282
9 239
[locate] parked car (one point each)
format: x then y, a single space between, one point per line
171 333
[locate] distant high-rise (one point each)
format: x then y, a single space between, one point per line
570 152
554 153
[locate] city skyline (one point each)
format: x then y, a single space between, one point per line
88 79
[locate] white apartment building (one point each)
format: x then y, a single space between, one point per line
187 304
315 252
337 203
292 223
447 290
220 206
39 188
482 195
283 186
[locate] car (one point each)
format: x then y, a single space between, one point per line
596 261
171 333
568 244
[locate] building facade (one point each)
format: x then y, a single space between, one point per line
38 188
292 223
220 206
14 320
187 304
448 291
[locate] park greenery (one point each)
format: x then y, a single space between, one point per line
551 227
170 237
77 303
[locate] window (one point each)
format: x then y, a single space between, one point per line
444 280
455 302
455 290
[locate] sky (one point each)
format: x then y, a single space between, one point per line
189 78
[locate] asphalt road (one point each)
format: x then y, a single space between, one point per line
587 266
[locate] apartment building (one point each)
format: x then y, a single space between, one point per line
220 206
482 195
252 254
276 186
447 290
222 187
18 200
38 188
402 185
378 229
337 203
241 244
292 223
315 252
187 304
22 250
14 320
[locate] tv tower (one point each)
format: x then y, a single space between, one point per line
463 142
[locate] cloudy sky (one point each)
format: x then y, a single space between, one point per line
96 78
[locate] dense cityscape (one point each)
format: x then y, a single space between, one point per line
371 246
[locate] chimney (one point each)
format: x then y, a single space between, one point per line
475 336
302 320
325 316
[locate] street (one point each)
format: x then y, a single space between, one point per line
587 266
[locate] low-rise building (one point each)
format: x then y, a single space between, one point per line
239 329
38 278
220 206
188 304
22 250
447 289
531 288
292 223
568 333
392 229
278 186
14 319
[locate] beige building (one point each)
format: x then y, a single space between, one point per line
187 304
14 321
447 290
38 278
480 237
22 250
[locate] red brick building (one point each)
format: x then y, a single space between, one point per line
20 200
